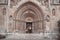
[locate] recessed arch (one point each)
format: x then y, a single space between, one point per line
27 3
29 10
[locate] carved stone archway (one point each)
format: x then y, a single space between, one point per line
29 12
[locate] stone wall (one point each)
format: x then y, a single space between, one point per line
47 8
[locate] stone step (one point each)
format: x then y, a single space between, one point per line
17 36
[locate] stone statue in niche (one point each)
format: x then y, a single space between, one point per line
46 3
4 11
47 18
14 3
10 17
53 12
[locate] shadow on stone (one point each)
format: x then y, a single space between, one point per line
58 30
2 36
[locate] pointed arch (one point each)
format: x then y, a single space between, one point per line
33 11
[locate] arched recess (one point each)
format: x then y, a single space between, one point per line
29 12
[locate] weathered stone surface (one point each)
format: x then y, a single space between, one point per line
21 11
17 36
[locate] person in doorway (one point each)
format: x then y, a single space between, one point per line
29 29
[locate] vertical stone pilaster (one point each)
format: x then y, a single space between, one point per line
7 16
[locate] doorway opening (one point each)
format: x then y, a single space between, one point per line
28 27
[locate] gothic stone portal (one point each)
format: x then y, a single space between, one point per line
29 18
